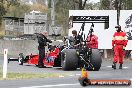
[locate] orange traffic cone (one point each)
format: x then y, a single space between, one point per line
84 73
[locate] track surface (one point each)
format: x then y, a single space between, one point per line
71 80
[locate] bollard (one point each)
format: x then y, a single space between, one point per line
131 54
5 63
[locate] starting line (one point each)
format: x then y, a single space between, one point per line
56 85
111 67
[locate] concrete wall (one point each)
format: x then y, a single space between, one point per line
29 46
20 46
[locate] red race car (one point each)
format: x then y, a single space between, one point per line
52 58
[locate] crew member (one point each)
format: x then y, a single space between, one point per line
92 40
77 38
42 40
119 43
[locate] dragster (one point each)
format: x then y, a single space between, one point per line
67 56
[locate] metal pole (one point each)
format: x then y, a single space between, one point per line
53 13
28 27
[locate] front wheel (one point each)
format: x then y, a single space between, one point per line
20 59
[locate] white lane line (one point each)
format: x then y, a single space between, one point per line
71 75
61 76
58 67
123 67
78 74
109 66
57 85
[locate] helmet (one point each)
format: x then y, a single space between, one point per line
118 26
91 30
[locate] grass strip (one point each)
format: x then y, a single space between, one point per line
15 76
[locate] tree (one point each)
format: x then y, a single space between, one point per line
39 7
2 11
127 4
105 4
112 4
18 11
49 4
12 8
62 8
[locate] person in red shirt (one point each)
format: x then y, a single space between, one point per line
92 40
119 43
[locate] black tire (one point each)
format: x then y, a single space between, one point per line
36 65
69 59
96 59
20 59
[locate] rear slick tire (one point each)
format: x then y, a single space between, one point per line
69 59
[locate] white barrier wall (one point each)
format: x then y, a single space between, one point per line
21 46
126 23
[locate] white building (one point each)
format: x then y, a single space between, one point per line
35 22
14 26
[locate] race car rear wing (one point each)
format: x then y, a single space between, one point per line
89 19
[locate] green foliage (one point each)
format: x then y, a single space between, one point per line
39 7
125 4
17 10
105 4
2 11
13 9
128 4
15 76
62 8
49 4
